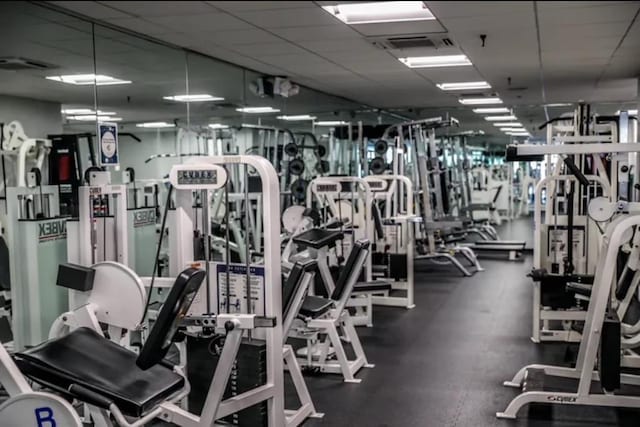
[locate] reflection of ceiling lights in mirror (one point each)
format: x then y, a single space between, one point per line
297 118
560 104
464 86
518 133
377 12
156 125
500 118
257 110
89 79
435 61
508 124
330 123
93 118
193 98
513 129
491 110
218 126
631 112
480 101
84 111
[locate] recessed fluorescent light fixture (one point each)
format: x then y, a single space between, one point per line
297 118
508 124
464 86
435 61
89 79
257 110
519 133
331 123
491 110
514 129
480 101
500 118
156 125
193 98
378 12
218 126
93 117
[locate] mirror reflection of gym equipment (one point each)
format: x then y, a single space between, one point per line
319 213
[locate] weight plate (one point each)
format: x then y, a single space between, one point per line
324 166
299 189
321 151
380 146
377 166
296 167
291 149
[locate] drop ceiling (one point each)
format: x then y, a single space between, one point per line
535 53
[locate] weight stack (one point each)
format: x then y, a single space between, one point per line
249 371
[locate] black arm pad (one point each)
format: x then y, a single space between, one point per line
90 397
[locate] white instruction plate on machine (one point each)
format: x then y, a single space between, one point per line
237 289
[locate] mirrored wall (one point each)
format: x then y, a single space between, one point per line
64 75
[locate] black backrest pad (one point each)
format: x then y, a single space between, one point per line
348 267
290 286
174 309
377 221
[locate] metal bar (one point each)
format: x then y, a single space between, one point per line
595 148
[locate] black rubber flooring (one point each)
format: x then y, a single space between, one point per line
443 363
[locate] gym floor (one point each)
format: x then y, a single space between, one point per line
443 363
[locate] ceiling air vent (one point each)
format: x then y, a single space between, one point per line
413 42
17 63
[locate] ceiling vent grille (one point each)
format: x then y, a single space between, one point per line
413 42
18 63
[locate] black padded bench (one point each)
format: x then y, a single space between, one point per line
314 306
95 370
318 238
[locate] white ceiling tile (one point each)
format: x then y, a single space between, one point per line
141 26
587 15
236 37
160 8
451 9
92 8
316 32
354 46
301 17
202 22
235 6
260 50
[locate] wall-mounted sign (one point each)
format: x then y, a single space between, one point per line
108 144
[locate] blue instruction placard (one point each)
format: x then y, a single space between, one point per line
108 144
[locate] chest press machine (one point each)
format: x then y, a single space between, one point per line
102 374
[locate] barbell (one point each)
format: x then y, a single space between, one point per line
380 146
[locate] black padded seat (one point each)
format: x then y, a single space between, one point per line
375 286
315 307
291 284
84 358
317 238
